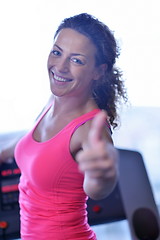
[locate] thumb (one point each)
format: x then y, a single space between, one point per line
97 128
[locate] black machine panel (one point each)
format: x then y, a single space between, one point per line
9 207
107 210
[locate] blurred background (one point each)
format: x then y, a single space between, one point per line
27 29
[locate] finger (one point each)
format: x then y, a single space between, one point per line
97 127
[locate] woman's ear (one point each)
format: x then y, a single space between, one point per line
100 71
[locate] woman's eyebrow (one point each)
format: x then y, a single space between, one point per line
78 54
73 54
55 45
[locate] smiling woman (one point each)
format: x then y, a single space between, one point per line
69 154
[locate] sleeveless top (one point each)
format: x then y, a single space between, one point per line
52 199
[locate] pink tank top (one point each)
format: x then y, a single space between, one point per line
52 200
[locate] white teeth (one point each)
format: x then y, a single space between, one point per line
60 79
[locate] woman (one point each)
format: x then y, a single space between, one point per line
69 154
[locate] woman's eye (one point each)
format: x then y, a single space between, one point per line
77 61
56 53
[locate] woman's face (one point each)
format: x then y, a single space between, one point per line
71 64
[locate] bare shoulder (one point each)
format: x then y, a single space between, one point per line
80 137
51 99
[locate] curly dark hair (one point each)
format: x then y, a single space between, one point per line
110 90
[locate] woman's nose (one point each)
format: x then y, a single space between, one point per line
63 65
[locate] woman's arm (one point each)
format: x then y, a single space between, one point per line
98 161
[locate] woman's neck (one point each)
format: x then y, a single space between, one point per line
72 105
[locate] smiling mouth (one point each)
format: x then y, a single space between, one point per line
60 79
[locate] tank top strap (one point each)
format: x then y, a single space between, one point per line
87 117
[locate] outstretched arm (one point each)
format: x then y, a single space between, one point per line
98 160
